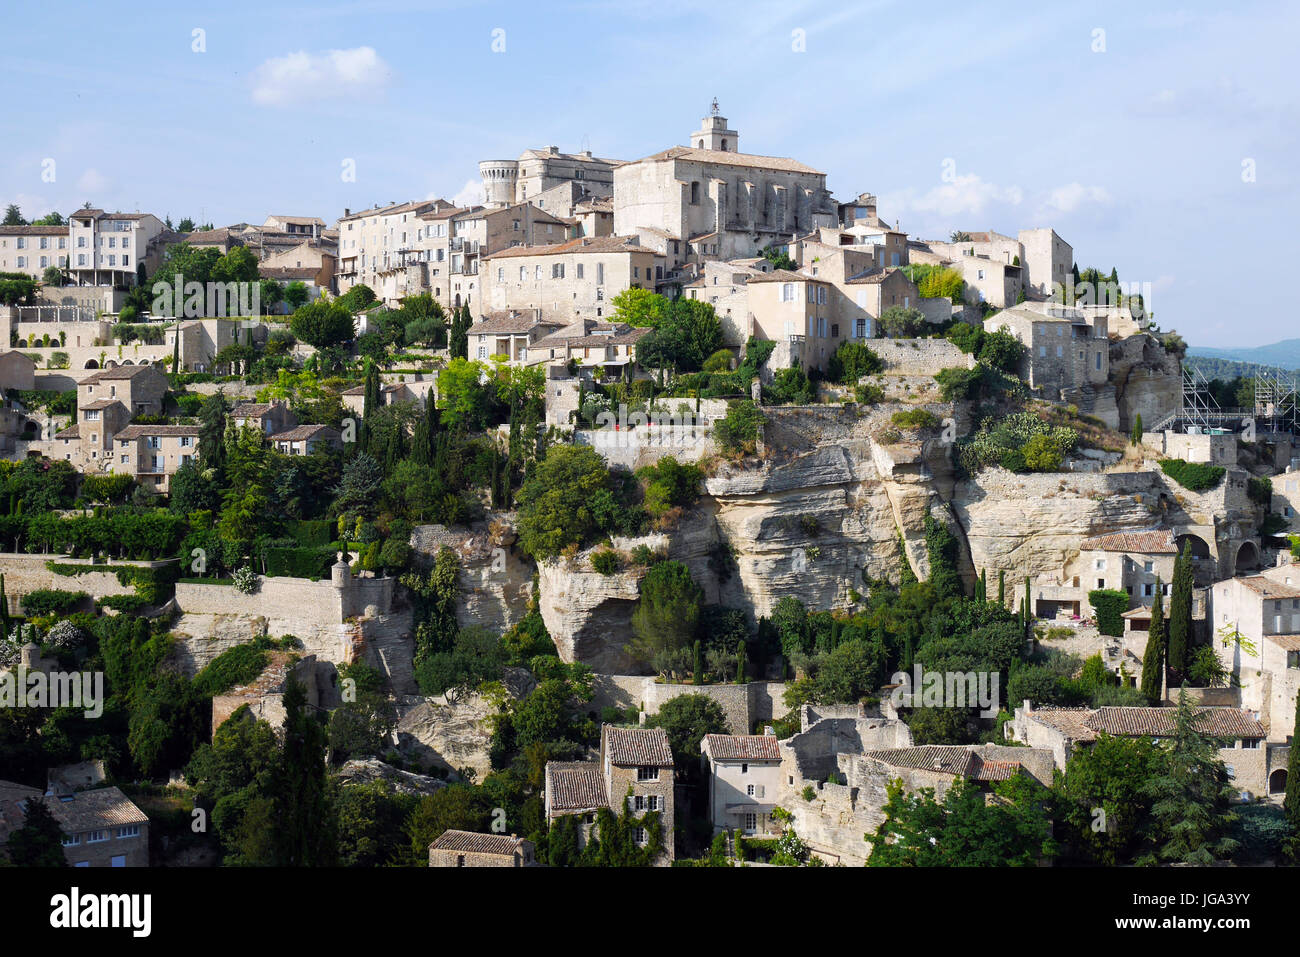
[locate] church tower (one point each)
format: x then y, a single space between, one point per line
713 133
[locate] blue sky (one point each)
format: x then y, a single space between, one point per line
1130 142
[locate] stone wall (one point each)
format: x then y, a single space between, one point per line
919 356
744 705
27 572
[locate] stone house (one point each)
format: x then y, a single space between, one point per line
152 454
101 827
609 347
508 334
354 399
17 371
140 388
471 849
744 775
1286 498
106 249
568 280
306 439
635 769
1064 348
1047 260
267 418
1256 620
1124 561
33 249
1061 730
797 313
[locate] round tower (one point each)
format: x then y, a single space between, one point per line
499 177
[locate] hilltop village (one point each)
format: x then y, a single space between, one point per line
668 511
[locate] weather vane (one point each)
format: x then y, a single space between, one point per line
714 110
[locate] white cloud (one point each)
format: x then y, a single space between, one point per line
92 181
964 196
471 194
303 76
1068 198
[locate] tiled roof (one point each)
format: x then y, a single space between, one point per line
1159 722
250 410
72 432
743 747
33 230
728 158
1285 642
287 272
507 322
11 813
97 808
870 278
139 431
783 275
117 372
575 786
947 759
101 404
205 237
583 244
1071 722
638 747
304 432
475 843
1266 587
1155 541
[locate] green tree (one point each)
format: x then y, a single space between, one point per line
39 842
322 324
1291 805
1135 436
556 500
686 719
1153 659
667 614
1109 777
1180 613
304 825
13 216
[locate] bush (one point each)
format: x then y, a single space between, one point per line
736 433
851 361
720 361
1041 454
868 394
1005 441
1110 605
915 419
1193 476
1260 490
903 322
605 561
232 668
244 580
51 601
957 384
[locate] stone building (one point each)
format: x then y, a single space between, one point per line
33 249
568 280
635 769
107 249
151 454
744 775
265 417
508 334
708 188
1125 561
1256 621
101 827
605 347
306 439
1066 351
1047 260
1061 730
471 849
541 172
376 246
107 400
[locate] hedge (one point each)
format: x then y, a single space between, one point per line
49 601
234 667
1193 476
1110 604
153 585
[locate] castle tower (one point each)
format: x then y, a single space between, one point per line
713 133
499 178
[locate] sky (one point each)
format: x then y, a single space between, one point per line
1157 139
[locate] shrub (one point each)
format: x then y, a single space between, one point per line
915 419
736 433
1260 490
1110 605
245 580
720 361
1004 441
51 601
868 394
851 361
1193 476
605 561
957 384
230 669
1041 454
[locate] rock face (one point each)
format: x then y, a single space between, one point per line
404 782
495 579
438 734
1147 379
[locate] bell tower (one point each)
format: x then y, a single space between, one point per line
713 133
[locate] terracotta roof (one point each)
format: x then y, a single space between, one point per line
1285 642
728 158
1266 587
1159 722
117 373
101 404
583 244
139 431
250 410
475 843
1071 722
507 322
72 432
1155 541
870 278
783 275
575 786
947 759
304 432
743 747
637 747
33 230
93 809
211 236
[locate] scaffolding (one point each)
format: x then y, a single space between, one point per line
1276 406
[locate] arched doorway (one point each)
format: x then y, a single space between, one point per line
127 362
1277 782
1200 547
1248 558
91 364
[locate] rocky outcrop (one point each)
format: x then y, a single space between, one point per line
367 770
1147 380
496 580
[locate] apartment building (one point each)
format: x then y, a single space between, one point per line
107 249
568 280
33 249
375 246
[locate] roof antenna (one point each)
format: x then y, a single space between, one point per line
714 110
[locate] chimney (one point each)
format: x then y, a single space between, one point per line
346 212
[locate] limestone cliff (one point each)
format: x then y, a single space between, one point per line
1147 380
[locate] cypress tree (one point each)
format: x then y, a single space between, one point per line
698 677
4 610
1136 435
982 587
176 350
1153 659
1292 803
740 662
1002 588
1180 612
1029 613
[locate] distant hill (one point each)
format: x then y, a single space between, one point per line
1284 354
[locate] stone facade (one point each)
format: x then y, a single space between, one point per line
468 849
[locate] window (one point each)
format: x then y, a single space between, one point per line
579 270
744 768
638 803
695 193
749 790
645 773
97 837
557 270
640 836
600 274
1101 565
787 292
129 830
751 823
652 802
71 840
523 273
501 274
537 271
